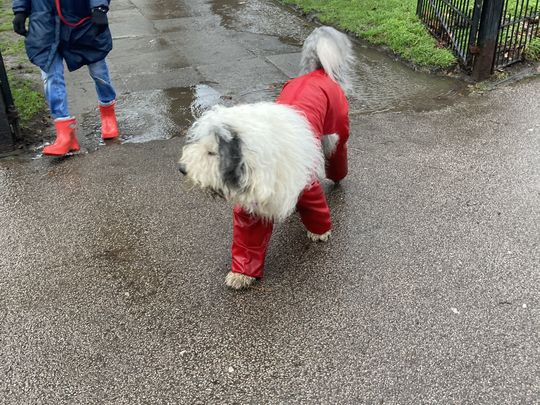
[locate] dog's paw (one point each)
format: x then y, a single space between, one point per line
319 238
238 281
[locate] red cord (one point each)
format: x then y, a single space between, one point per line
59 10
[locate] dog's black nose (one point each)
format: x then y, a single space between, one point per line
182 169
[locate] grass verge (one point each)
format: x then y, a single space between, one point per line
29 101
391 23
532 52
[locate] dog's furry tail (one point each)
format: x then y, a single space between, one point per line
331 50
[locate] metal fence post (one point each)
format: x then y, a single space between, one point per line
487 38
420 8
9 119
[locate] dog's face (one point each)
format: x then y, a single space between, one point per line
212 159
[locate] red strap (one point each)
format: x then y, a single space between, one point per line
59 10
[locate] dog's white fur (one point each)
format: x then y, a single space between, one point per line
319 238
238 281
280 156
263 155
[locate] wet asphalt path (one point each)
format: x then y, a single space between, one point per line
112 271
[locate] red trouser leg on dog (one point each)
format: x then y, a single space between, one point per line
251 235
314 210
336 165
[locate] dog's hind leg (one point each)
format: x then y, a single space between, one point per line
238 281
319 238
314 213
329 144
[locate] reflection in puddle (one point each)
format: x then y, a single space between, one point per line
156 115
205 98
149 116
167 113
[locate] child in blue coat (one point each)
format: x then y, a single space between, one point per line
75 32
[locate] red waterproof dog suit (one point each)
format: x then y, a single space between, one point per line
325 106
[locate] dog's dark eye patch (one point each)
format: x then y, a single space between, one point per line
230 160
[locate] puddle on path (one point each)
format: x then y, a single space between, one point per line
154 115
164 114
386 85
205 97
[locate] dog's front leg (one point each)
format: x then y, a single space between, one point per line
251 235
238 281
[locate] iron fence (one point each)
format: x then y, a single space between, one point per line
519 24
454 23
467 26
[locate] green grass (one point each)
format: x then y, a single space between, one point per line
12 46
392 23
10 43
29 102
513 6
518 5
532 52
6 16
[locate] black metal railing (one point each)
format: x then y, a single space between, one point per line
480 32
453 22
519 24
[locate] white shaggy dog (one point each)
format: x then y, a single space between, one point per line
263 156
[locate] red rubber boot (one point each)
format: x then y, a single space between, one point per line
66 138
109 125
251 236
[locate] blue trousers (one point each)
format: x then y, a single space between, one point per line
55 86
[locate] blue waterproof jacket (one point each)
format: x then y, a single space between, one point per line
47 34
